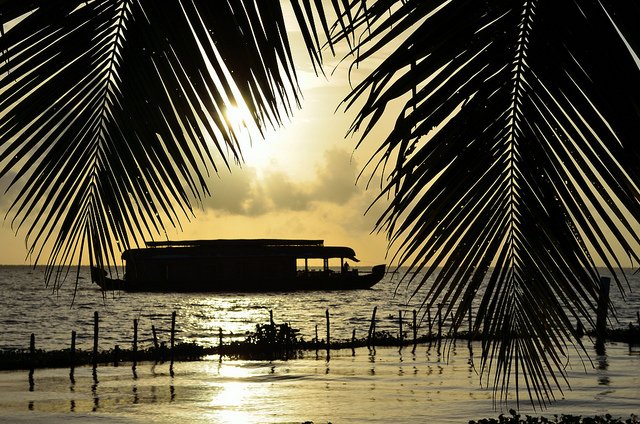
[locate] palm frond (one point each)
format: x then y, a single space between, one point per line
113 112
514 163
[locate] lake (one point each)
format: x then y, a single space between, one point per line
433 384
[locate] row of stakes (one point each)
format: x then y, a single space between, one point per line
370 336
603 301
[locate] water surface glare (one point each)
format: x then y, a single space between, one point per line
384 386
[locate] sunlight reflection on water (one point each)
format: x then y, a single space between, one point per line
31 308
387 385
382 386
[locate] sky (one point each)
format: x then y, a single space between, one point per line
297 182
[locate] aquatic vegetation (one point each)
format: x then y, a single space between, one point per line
565 419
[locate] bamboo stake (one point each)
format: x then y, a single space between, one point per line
95 339
32 353
155 336
173 334
32 360
328 331
317 341
72 356
603 306
415 329
439 321
135 341
372 327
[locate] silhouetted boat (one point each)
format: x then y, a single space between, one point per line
237 265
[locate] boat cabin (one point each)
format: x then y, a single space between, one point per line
203 265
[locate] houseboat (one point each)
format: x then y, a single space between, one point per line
256 265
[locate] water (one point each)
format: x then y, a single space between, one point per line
385 385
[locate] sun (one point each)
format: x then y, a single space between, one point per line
238 117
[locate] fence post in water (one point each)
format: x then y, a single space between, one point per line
220 338
95 339
155 336
415 329
603 306
328 331
439 321
271 317
32 353
72 357
173 333
400 337
317 341
72 351
429 321
116 354
32 360
135 341
372 327
135 336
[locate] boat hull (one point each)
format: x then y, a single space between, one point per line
312 280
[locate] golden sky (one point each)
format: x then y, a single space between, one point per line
298 182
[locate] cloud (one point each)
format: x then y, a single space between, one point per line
238 193
243 192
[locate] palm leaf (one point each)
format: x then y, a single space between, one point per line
513 163
113 112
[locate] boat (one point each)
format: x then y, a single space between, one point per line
99 276
237 265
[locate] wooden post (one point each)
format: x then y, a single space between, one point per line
95 339
116 354
400 336
429 323
220 338
135 340
353 342
372 327
317 341
638 316
72 354
603 306
72 351
32 353
271 317
439 321
32 361
470 322
328 331
173 333
155 336
415 328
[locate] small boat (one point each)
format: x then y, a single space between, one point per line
239 265
99 276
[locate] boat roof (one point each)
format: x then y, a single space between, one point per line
235 242
310 249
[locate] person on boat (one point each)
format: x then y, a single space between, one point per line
345 267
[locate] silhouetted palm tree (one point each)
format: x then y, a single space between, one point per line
113 111
513 165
